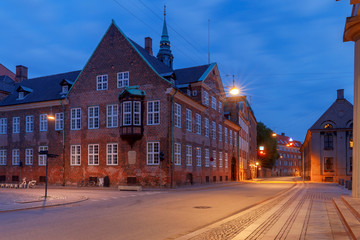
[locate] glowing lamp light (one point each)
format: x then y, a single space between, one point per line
234 91
50 117
261 148
274 134
257 164
290 139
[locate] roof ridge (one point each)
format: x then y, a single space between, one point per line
52 75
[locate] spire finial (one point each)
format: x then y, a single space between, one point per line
165 12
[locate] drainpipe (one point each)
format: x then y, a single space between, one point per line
63 142
172 140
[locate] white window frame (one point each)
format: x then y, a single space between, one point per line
188 155
177 115
153 153
93 117
42 157
3 157
29 123
112 116
127 113
198 124
136 113
230 137
206 127
188 120
153 112
29 156
123 79
177 154
16 157
3 125
226 160
64 88
112 154
101 82
198 156
16 124
75 119
93 154
206 98
43 123
220 133
214 157
207 157
220 106
220 159
21 95
59 121
213 130
213 102
75 155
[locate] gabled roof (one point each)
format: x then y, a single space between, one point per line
333 115
160 67
43 89
23 88
6 84
191 74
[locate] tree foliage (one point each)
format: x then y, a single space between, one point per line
265 138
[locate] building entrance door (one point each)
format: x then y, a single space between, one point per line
233 169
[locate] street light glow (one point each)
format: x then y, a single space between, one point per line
50 117
234 91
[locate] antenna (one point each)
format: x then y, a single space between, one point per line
208 41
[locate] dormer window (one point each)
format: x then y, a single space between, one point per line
188 92
23 92
65 86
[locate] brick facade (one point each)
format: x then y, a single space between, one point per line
98 150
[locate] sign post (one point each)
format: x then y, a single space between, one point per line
48 155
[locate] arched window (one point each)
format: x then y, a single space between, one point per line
328 125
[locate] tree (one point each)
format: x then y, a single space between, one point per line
265 138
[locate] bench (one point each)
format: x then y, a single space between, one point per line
129 188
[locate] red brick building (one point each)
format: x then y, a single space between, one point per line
127 115
289 162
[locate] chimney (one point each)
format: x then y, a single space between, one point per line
282 134
21 73
340 94
148 45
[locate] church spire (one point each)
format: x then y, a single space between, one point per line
164 54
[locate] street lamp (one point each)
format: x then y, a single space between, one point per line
234 90
52 117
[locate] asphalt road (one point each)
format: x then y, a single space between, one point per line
136 215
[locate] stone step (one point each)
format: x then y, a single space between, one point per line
348 217
129 188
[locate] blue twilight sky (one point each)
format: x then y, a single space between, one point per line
287 55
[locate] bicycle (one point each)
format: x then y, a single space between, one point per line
31 184
86 183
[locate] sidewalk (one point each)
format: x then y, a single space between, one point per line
22 199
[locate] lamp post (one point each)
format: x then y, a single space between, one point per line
52 118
